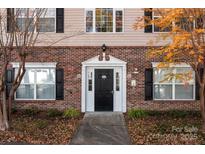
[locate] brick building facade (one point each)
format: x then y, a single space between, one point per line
70 68
70 59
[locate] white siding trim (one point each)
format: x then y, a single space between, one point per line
36 65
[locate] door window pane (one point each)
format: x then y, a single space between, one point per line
163 92
184 92
25 92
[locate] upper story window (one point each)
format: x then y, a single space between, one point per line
183 23
26 17
156 16
48 21
104 20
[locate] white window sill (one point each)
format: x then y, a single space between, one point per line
164 100
35 99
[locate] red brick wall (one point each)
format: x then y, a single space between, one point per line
70 59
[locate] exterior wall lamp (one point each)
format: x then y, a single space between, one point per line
104 47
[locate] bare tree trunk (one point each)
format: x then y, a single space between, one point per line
10 101
4 125
202 105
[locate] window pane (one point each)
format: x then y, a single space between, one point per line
46 25
185 23
45 91
45 75
117 81
119 21
161 74
89 21
184 92
25 23
183 71
25 92
28 76
159 29
25 12
50 12
162 91
104 20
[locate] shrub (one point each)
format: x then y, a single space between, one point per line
178 113
32 111
41 124
71 113
54 113
137 113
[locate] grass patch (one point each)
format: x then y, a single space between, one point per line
71 113
137 113
41 124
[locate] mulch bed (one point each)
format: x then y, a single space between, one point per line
39 129
164 128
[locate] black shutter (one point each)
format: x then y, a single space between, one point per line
9 80
10 15
200 23
59 84
59 20
148 16
149 84
197 86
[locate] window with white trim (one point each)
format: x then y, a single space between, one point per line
173 89
155 28
185 23
26 17
104 20
47 23
37 84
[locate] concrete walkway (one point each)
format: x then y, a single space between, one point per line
102 128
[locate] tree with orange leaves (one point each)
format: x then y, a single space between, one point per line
185 42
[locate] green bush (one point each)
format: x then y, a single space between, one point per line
178 113
41 124
137 113
32 111
175 113
54 113
71 113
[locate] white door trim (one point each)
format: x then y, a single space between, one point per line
114 64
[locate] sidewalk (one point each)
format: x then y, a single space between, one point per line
102 128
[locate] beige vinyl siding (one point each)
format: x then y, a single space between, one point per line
75 35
